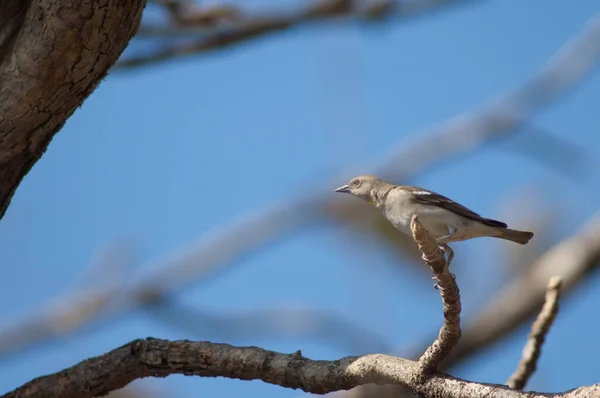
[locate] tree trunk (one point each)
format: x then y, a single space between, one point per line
53 54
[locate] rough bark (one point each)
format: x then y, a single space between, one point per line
53 54
450 332
160 358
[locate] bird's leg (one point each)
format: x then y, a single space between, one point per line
451 232
448 252
448 256
444 246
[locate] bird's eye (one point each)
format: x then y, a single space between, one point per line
355 183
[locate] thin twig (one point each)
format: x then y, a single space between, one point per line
446 283
160 358
537 336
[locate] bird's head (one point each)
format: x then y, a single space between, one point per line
361 186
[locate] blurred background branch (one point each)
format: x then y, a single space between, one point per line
285 322
573 259
196 28
117 284
226 245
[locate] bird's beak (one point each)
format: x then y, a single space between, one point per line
343 188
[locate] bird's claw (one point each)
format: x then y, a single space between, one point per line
448 252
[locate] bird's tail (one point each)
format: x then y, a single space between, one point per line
520 237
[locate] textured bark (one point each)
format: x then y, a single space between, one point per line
574 259
12 15
159 358
450 332
53 54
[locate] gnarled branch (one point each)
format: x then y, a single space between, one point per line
450 331
574 259
160 358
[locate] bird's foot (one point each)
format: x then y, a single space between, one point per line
448 253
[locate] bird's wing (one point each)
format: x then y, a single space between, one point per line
431 198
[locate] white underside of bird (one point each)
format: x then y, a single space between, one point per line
441 224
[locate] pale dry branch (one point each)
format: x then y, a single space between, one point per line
94 303
537 336
159 358
446 283
571 63
247 26
229 243
574 258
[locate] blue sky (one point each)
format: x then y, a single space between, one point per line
158 156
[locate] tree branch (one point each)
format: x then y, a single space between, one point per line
62 50
247 27
574 259
535 340
224 245
160 358
450 332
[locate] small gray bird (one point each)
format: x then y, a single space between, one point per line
445 220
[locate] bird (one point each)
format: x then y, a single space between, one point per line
444 219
